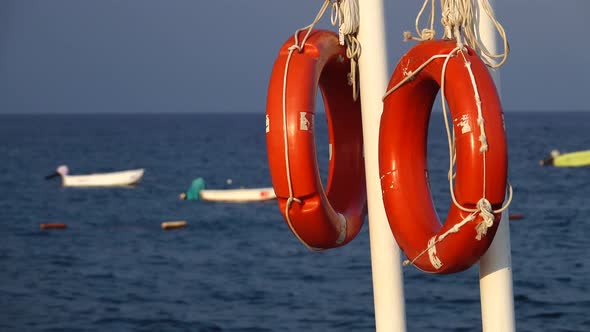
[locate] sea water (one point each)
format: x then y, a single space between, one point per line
237 267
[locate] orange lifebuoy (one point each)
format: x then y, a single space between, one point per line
320 219
403 163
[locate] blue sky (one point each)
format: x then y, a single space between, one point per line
216 56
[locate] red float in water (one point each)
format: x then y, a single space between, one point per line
54 225
173 224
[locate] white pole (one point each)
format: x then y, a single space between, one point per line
495 267
388 292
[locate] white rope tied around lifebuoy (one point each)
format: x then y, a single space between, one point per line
309 28
296 47
409 75
483 207
457 17
482 138
434 260
353 52
349 15
487 218
345 14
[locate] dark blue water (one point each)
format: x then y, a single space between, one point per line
237 267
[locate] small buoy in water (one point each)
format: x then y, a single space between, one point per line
173 224
53 225
515 216
229 181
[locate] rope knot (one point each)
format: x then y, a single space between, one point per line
408 36
295 47
484 143
427 34
290 201
434 260
485 212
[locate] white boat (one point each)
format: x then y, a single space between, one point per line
238 195
197 191
122 178
110 179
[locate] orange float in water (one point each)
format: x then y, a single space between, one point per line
53 226
319 219
479 173
173 224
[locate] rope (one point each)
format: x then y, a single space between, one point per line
345 14
431 248
457 18
410 74
426 33
295 47
434 260
471 35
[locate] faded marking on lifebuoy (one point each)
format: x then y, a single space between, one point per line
267 124
330 151
463 122
304 124
405 71
342 235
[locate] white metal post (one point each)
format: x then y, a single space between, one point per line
388 292
495 269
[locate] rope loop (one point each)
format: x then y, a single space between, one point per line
295 47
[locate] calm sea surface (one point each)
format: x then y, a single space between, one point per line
237 267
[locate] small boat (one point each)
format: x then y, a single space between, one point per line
198 191
570 159
238 195
111 179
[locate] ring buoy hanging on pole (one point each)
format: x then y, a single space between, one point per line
403 163
319 219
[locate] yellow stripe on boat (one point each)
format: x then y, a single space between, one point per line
573 159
